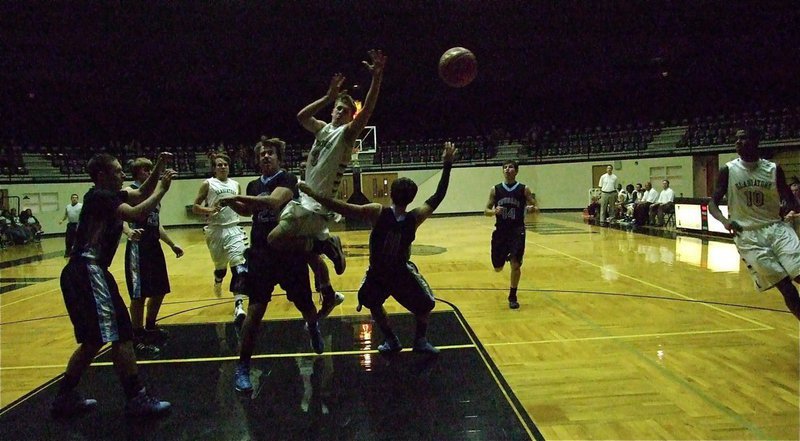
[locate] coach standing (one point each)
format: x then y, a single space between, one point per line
608 186
71 214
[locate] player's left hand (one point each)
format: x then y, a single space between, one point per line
177 250
378 62
303 186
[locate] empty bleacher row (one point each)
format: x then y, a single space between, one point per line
539 144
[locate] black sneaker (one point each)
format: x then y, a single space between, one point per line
71 404
146 351
332 248
513 304
145 405
317 344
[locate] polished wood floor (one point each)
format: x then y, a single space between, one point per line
621 335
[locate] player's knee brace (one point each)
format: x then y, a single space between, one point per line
238 275
220 273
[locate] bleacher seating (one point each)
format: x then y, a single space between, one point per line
548 144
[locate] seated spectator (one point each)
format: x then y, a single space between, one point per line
641 208
31 223
16 233
664 204
623 198
593 209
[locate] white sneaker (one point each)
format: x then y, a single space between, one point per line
239 314
326 309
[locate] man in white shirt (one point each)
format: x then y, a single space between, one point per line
642 206
608 187
664 204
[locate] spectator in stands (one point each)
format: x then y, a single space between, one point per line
638 194
641 208
608 187
31 223
795 186
664 204
18 234
623 198
5 223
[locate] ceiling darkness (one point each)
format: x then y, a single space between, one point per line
179 72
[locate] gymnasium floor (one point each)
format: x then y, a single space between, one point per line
621 335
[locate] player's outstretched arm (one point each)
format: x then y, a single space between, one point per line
423 212
306 115
136 196
246 205
376 68
367 212
129 213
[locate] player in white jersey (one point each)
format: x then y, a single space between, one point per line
224 238
755 188
304 223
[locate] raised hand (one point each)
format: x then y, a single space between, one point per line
335 86
166 179
378 62
449 152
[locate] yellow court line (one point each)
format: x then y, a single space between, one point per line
631 336
496 380
644 282
227 358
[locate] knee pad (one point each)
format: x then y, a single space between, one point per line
238 275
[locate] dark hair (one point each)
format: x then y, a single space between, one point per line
74 194
276 143
794 180
753 133
629 188
667 181
403 191
224 156
139 164
100 162
511 162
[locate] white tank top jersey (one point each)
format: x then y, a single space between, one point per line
327 162
216 190
753 199
74 212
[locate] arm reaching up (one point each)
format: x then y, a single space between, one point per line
433 202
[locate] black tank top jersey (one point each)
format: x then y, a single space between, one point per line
513 202
265 220
99 229
150 235
390 240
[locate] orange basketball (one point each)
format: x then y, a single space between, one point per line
458 67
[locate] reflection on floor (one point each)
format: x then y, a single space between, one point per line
348 393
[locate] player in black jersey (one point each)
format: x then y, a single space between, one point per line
508 203
146 269
390 271
265 198
91 295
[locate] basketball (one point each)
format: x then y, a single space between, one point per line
458 67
